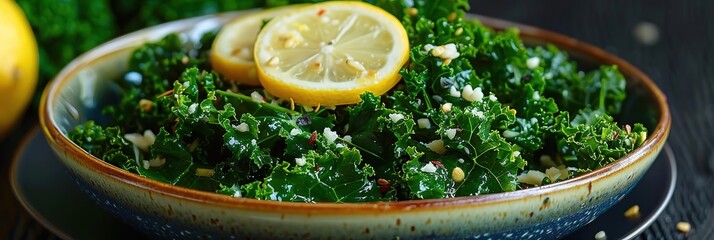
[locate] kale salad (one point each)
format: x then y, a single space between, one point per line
501 116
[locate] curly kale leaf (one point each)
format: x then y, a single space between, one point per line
333 176
493 168
107 143
381 134
491 164
425 184
241 134
602 89
535 114
235 144
501 62
595 140
158 65
428 13
364 128
178 161
428 75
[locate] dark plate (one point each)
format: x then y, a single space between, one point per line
652 194
44 187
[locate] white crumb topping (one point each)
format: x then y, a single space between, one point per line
447 52
428 47
451 133
329 134
477 113
158 161
553 173
192 108
141 141
256 96
395 117
300 161
510 134
536 95
472 94
454 92
424 123
242 127
533 62
532 177
429 168
437 146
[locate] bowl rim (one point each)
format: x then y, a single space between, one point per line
53 135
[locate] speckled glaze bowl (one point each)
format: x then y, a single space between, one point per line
163 210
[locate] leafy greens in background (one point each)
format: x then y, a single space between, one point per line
64 29
403 145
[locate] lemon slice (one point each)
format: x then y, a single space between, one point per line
232 50
330 53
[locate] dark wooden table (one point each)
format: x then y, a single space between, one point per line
680 59
668 39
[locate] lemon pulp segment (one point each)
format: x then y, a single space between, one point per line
331 53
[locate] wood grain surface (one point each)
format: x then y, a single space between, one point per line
680 59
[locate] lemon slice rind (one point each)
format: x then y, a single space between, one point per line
331 53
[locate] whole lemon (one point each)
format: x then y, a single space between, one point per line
18 65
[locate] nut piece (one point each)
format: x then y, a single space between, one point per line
451 17
633 212
457 175
204 172
446 107
438 51
684 227
600 235
459 31
412 11
146 105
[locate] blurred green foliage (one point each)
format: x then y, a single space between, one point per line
65 29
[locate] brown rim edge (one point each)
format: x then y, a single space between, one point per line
20 196
655 141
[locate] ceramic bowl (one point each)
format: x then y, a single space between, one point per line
163 210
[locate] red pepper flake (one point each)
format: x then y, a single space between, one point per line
617 133
313 138
172 127
384 185
317 167
437 163
320 12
